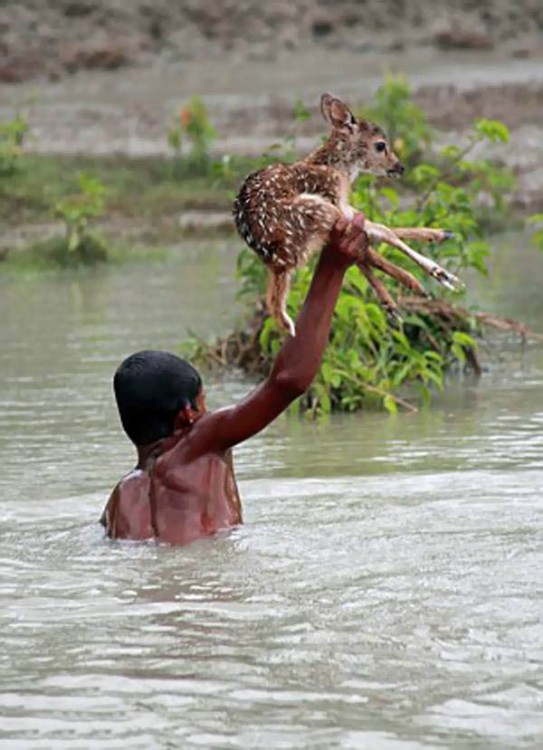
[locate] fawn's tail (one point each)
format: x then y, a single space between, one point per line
276 298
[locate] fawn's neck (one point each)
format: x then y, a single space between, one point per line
335 153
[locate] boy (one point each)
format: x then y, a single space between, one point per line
183 487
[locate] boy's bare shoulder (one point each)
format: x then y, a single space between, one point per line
127 487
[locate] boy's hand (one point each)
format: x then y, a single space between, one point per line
348 241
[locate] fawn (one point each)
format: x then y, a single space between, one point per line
285 212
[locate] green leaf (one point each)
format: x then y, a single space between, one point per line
464 339
390 404
73 241
301 113
391 194
326 372
494 130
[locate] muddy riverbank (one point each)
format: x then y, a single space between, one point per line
126 112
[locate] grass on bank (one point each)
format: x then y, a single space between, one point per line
51 254
143 188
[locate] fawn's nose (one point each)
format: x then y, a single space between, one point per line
397 169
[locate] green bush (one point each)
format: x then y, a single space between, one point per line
55 251
367 362
193 125
12 135
80 244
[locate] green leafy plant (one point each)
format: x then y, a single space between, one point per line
367 362
12 135
175 138
76 211
536 220
194 126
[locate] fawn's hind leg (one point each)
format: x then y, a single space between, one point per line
276 298
402 276
381 233
384 296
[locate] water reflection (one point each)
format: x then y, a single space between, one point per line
384 592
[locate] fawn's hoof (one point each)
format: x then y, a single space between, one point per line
287 324
394 318
446 279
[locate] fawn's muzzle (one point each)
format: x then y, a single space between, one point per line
397 170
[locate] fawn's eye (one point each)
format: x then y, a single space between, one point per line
380 146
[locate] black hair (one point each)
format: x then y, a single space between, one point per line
151 388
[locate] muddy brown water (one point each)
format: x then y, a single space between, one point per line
384 593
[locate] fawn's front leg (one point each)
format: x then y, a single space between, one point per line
347 211
423 234
403 277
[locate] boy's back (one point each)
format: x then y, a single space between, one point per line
174 495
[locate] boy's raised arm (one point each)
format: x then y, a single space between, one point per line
299 358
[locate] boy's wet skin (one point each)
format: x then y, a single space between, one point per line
176 498
183 487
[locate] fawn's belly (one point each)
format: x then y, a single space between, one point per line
283 230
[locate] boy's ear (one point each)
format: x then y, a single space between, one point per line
185 417
337 113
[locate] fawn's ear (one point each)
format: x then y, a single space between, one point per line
337 113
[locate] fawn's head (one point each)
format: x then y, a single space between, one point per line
358 145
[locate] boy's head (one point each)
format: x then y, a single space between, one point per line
151 389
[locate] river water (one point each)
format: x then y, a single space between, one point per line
385 592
